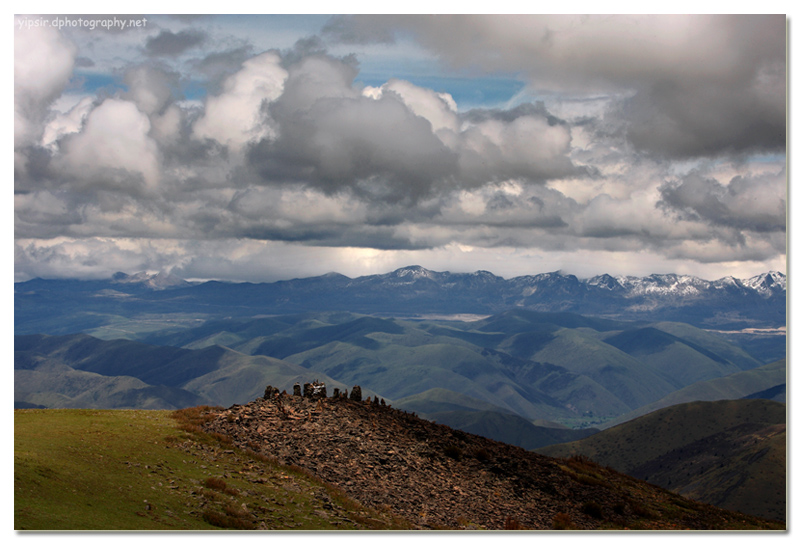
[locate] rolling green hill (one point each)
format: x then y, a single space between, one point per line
730 453
562 367
734 386
631 381
678 361
79 371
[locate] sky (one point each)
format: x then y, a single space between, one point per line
261 148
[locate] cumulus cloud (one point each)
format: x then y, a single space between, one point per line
238 115
43 64
114 149
377 148
439 109
399 142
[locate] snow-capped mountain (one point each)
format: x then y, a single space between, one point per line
415 291
768 284
158 281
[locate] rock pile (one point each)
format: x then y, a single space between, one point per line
430 474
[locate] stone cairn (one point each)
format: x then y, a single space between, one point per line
317 390
270 392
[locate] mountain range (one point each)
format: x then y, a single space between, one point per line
59 306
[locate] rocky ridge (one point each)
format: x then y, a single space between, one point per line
439 478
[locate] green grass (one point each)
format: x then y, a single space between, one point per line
145 470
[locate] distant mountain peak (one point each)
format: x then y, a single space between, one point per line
605 281
768 283
414 272
158 281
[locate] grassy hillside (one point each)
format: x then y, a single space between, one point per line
712 343
630 380
137 470
80 371
396 371
734 386
730 453
680 362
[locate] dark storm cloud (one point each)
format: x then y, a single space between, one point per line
746 203
222 63
171 44
675 119
304 47
332 138
538 109
378 148
692 85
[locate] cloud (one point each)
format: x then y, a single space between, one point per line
399 142
43 64
332 138
749 203
171 44
237 115
287 152
70 122
376 148
439 109
114 150
527 147
151 88
348 30
690 85
217 66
